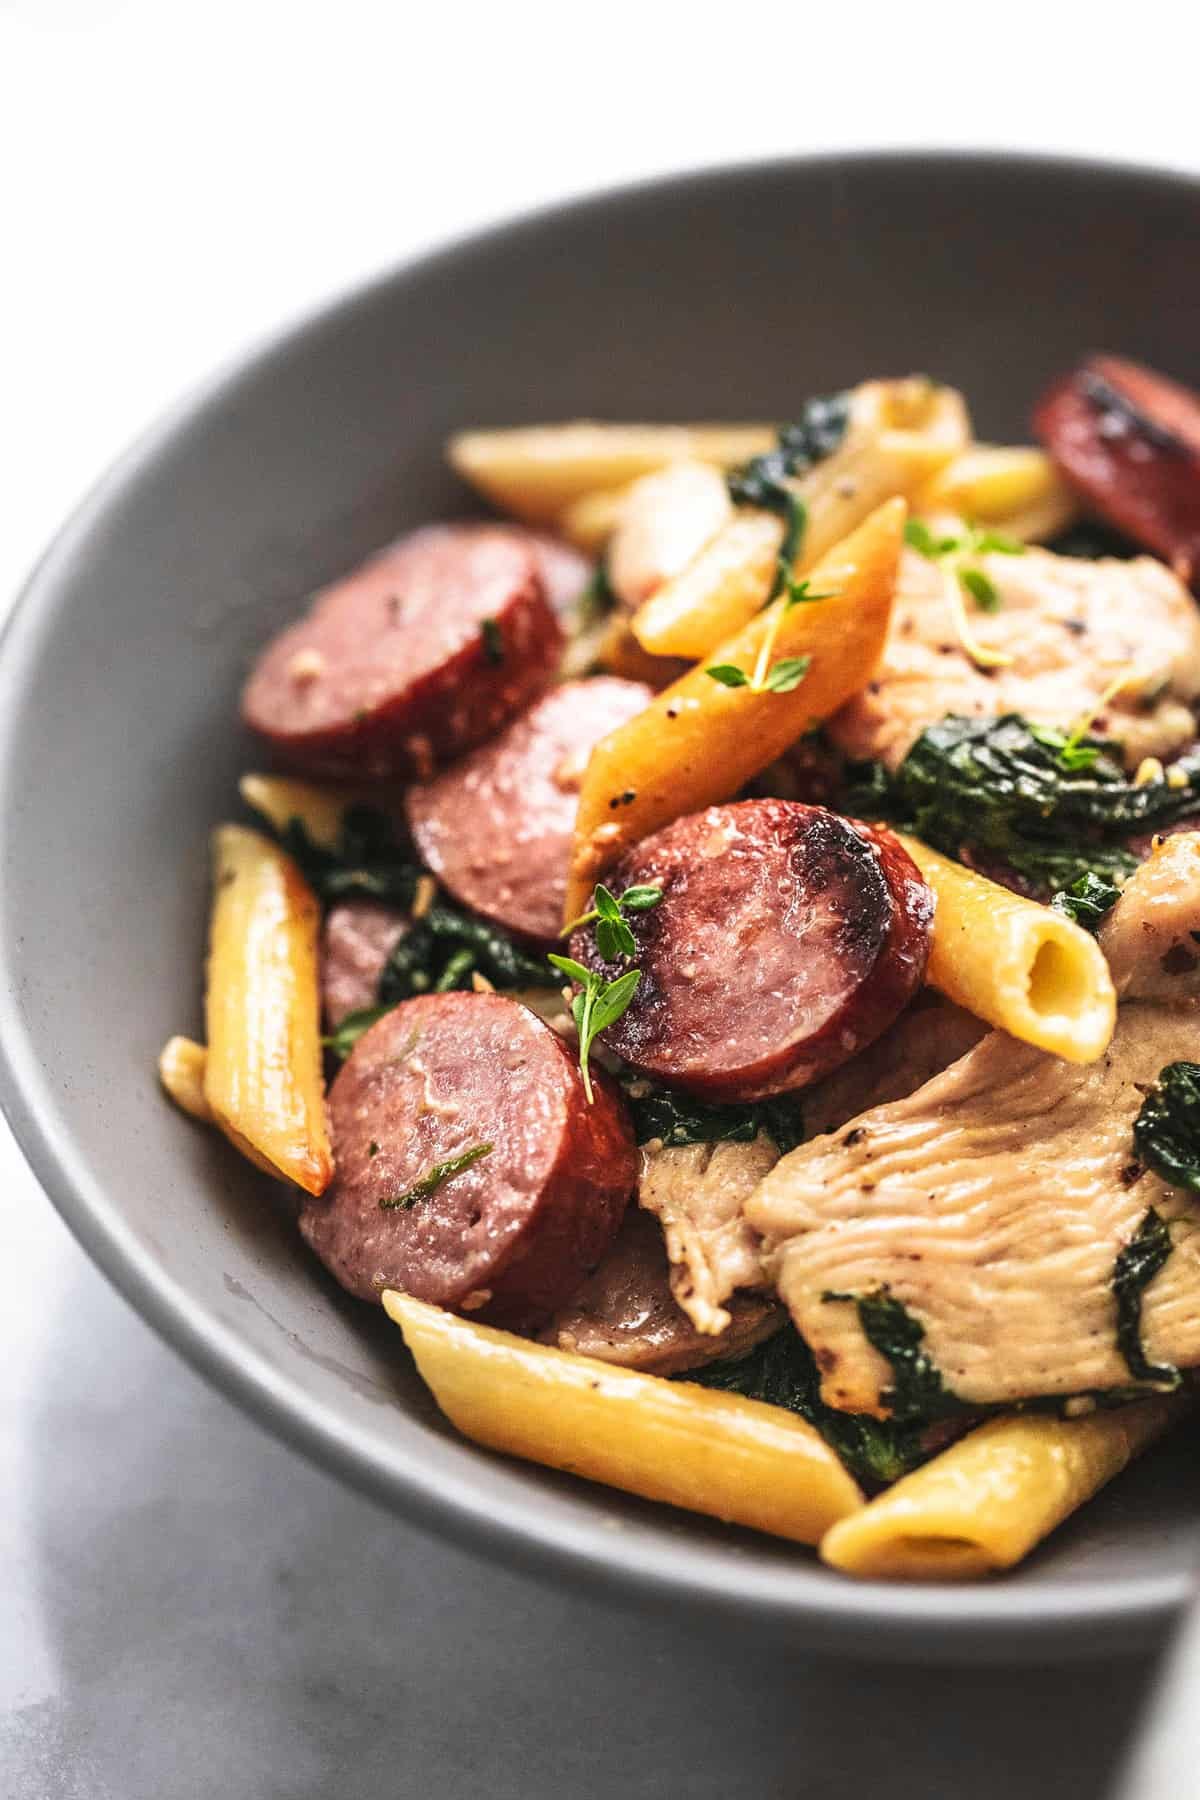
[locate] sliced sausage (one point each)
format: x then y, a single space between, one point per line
496 828
787 938
1129 441
421 653
565 571
626 1313
509 1237
356 940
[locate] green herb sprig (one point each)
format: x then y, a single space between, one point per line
599 1004
786 675
1075 749
433 1178
957 553
613 936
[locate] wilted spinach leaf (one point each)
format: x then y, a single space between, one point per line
783 1372
1135 1268
1166 1132
917 1391
679 1119
1087 901
998 790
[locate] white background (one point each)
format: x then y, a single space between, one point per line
175 181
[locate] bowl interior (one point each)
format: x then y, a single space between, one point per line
727 295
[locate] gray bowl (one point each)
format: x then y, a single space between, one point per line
730 294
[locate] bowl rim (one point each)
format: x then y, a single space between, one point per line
988 1621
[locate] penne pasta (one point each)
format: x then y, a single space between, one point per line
590 521
986 1237
1024 968
711 1452
320 810
537 471
699 741
899 434
1011 488
985 1502
618 652
719 590
667 518
181 1067
263 1076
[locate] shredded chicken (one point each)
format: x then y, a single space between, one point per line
993 1202
625 1313
1153 947
697 1191
1072 628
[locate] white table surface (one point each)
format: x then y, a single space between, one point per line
187 1609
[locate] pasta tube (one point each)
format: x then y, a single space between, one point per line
182 1066
536 471
723 586
1022 967
319 809
899 433
181 1069
1012 488
263 1077
699 741
667 518
691 1446
590 521
986 1501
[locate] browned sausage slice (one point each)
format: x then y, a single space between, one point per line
421 653
565 571
1129 441
356 940
513 1233
787 938
625 1313
496 828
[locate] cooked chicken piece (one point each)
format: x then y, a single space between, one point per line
624 1312
1153 948
1071 626
697 1191
993 1204
926 1039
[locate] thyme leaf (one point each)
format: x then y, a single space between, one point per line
433 1178
598 1004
